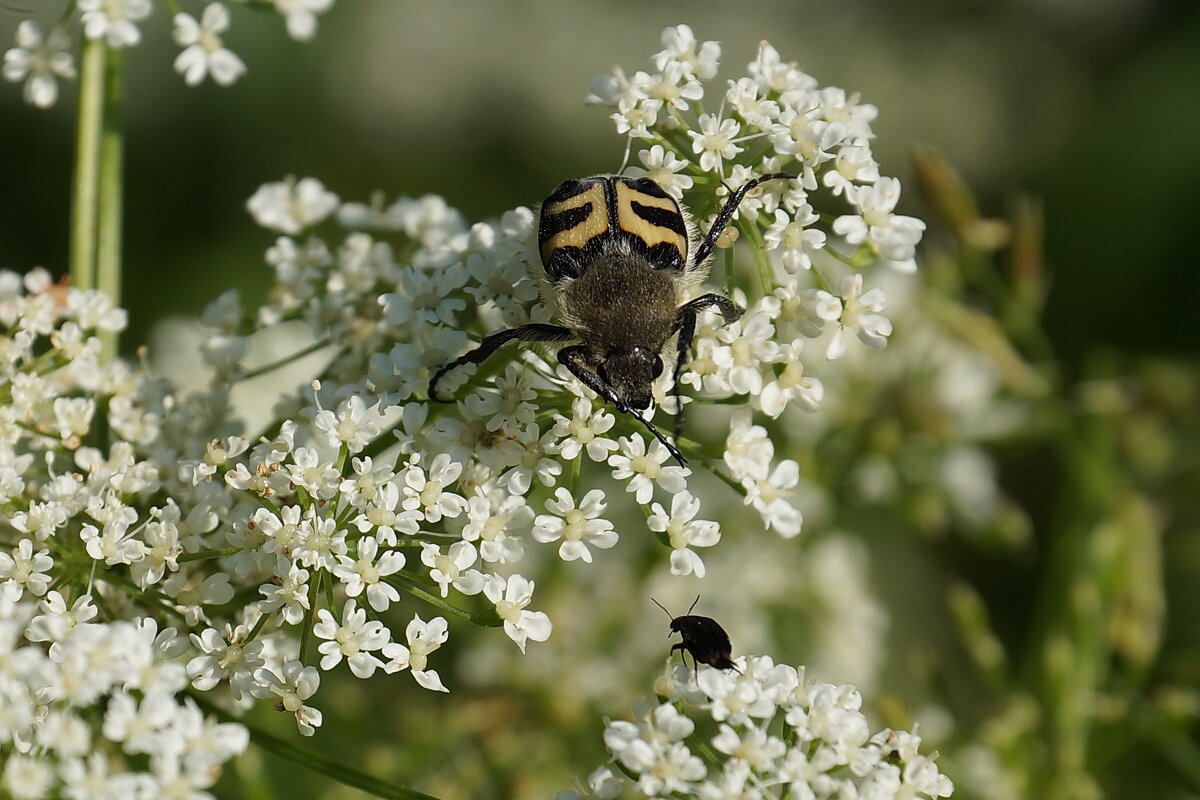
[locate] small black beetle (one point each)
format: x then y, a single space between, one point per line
702 637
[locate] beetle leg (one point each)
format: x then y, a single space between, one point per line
682 648
685 323
573 358
726 214
533 332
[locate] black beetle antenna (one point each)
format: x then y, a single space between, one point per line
693 605
664 608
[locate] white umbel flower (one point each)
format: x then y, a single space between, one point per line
510 598
301 16
893 237
860 314
113 20
291 206
684 532
353 639
578 526
39 62
204 53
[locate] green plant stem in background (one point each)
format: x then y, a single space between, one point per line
314 761
96 207
110 213
85 191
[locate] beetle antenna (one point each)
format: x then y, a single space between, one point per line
697 600
660 605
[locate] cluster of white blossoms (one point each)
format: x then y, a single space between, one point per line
119 510
84 701
277 555
363 490
760 733
40 59
90 682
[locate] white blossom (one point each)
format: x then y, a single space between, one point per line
39 61
291 206
203 52
113 20
510 597
578 526
423 639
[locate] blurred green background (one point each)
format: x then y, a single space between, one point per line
1091 106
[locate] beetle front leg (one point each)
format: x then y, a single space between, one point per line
573 358
685 323
533 332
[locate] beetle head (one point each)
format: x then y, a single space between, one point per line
631 372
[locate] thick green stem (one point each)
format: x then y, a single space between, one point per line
110 216
85 194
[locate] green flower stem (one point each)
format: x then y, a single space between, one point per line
1071 662
289 359
730 283
258 626
728 481
576 469
138 594
85 193
204 555
110 213
335 770
758 249
819 277
485 619
314 592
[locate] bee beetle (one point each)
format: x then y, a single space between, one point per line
702 637
615 250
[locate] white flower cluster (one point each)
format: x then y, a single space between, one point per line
286 554
88 682
41 59
87 679
758 734
368 491
423 261
83 701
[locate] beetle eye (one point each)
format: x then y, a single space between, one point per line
658 366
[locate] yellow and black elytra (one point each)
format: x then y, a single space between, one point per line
703 637
615 253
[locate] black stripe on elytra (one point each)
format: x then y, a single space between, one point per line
667 218
567 189
554 224
645 186
660 256
571 262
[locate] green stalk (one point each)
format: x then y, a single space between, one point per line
110 213
309 759
85 193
